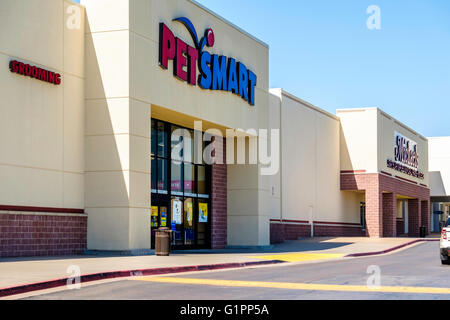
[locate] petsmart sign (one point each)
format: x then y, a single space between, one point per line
217 72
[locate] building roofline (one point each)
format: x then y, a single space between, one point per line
386 115
229 23
306 103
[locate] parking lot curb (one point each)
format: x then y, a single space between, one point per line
25 288
374 253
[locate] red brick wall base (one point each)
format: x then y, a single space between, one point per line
280 232
25 235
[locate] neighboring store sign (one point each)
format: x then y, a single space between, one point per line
217 72
406 158
34 72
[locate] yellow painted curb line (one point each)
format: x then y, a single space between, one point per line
294 286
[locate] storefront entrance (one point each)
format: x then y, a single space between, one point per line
181 188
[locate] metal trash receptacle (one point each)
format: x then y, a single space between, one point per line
162 241
423 232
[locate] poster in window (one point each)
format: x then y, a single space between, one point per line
163 217
189 213
154 217
177 211
203 212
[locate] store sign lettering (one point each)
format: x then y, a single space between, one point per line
34 72
217 72
406 158
405 151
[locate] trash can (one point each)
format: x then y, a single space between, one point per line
423 232
162 241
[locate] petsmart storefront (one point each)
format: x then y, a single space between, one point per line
135 115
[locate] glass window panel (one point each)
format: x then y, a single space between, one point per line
197 148
176 176
153 177
189 145
201 180
162 140
162 174
189 221
154 138
176 141
177 218
189 175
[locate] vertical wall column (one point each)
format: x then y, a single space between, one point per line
117 133
425 213
219 200
389 215
414 217
374 212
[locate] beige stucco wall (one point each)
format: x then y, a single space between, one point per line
310 177
358 139
124 83
439 160
42 125
368 140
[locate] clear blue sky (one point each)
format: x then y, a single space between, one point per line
322 52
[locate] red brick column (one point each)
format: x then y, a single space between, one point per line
374 212
389 215
219 198
425 213
414 217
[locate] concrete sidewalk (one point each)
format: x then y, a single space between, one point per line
23 271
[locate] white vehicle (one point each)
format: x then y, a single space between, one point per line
445 243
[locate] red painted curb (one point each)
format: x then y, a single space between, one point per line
362 254
127 273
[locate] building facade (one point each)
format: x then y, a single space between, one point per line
439 154
122 117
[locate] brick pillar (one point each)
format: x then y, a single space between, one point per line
389 215
374 212
425 213
414 217
219 198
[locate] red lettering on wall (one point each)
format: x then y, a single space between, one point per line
51 77
28 70
21 68
167 47
180 60
192 66
34 72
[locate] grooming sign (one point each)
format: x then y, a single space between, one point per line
217 72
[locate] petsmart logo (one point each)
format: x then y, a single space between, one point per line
216 72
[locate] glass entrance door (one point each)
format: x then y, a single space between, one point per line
181 185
